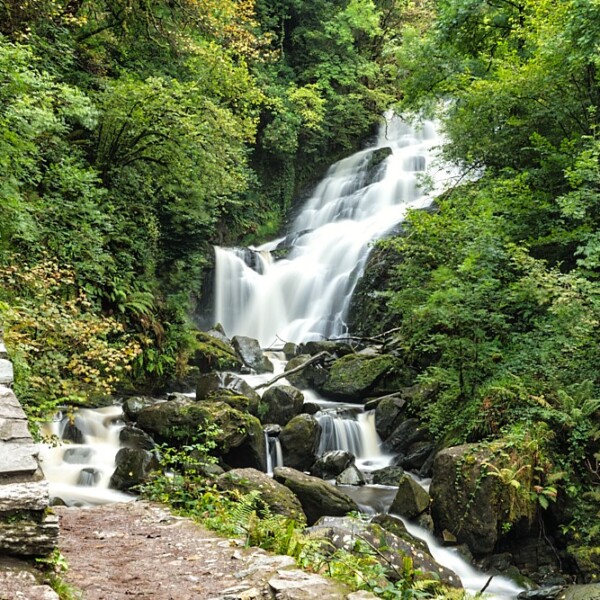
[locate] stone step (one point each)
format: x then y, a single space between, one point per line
32 495
18 459
6 372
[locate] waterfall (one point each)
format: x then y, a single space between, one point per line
274 453
306 295
78 458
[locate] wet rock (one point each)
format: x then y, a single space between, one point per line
72 430
318 497
583 592
240 442
404 436
350 476
332 463
548 593
251 354
133 466
290 350
411 499
334 348
78 455
277 497
374 168
228 388
312 376
133 437
416 456
134 405
310 408
346 533
300 441
89 477
283 403
388 475
389 414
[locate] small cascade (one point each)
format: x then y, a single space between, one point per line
352 429
307 295
274 453
79 458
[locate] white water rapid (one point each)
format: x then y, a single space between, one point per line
306 295
79 456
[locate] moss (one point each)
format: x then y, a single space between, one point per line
587 559
212 354
354 376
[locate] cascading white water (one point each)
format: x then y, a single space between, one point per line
79 469
307 295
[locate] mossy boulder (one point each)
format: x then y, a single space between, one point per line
278 498
469 503
281 404
300 441
182 420
356 376
318 498
587 559
228 388
210 353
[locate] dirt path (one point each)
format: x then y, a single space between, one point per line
141 551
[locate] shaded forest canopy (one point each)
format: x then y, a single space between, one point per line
134 134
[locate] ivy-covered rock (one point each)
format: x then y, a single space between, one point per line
282 402
240 441
318 498
300 441
277 497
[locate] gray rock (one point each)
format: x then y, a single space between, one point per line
133 466
6 372
29 535
283 403
310 408
312 376
30 496
404 436
290 350
251 354
548 593
133 437
293 584
350 476
332 463
300 441
583 592
89 477
134 405
228 388
318 497
389 414
388 475
277 497
411 499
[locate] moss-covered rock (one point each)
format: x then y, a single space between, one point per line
411 499
299 441
210 353
318 498
281 404
312 376
278 498
182 420
587 559
355 376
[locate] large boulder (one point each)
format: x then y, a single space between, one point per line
318 498
133 437
300 441
332 463
389 414
469 503
251 354
212 352
240 440
134 405
311 376
228 388
283 403
133 467
387 548
356 376
388 475
411 499
404 436
277 497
